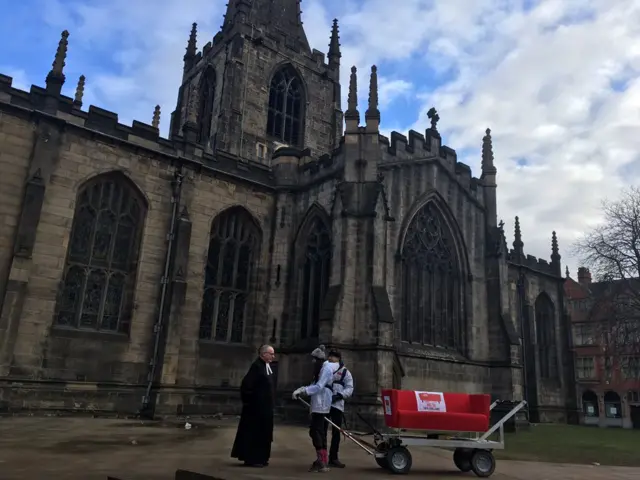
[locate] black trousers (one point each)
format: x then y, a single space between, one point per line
318 431
336 416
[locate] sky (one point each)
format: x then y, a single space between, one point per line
557 81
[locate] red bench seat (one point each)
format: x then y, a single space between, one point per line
459 412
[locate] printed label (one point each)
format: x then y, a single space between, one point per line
430 402
387 405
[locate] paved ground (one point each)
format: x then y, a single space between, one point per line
74 448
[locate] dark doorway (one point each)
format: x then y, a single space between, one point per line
634 411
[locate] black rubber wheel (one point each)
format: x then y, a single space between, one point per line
483 463
462 459
382 461
399 460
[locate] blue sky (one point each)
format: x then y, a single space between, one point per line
558 81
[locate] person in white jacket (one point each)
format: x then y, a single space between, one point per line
342 389
321 394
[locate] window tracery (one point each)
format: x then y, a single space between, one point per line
546 336
207 92
286 107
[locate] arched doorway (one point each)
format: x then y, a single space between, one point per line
590 408
613 409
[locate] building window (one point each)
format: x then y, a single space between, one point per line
102 259
633 396
432 286
631 367
590 404
583 334
546 337
315 276
585 368
231 263
286 107
207 93
612 405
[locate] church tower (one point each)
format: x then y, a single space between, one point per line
258 85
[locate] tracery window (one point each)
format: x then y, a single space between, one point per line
99 278
546 336
315 276
432 286
286 107
207 92
233 251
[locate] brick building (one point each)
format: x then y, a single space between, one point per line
142 272
608 385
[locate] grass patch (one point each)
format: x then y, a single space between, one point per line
573 444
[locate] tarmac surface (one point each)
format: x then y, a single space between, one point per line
81 448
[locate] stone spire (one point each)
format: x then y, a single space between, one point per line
488 168
518 246
334 46
555 254
56 78
372 115
155 122
77 101
566 272
352 116
190 54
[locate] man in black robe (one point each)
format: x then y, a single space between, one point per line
255 430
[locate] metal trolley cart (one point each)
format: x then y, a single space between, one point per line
469 453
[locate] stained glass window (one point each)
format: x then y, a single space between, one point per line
546 336
102 258
233 251
286 107
431 283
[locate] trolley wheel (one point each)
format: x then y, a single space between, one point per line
399 460
483 463
462 459
383 461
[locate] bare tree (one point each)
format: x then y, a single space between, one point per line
612 252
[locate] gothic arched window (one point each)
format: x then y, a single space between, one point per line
233 252
546 336
286 107
99 277
207 93
315 276
431 283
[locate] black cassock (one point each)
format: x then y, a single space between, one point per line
255 430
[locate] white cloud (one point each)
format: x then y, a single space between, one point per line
558 82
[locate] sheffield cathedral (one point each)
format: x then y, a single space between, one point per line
139 274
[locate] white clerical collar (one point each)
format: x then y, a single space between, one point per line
269 371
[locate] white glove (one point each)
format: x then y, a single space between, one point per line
298 392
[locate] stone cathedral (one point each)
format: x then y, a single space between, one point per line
139 274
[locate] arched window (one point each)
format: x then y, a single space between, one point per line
99 278
207 93
233 253
612 405
286 107
590 404
315 276
546 337
431 283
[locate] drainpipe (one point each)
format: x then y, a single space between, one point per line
147 407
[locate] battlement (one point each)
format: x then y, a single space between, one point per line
517 256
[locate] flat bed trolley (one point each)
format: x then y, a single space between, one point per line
443 429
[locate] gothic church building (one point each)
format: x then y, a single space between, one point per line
140 273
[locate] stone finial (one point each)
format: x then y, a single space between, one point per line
432 114
555 251
192 43
79 91
517 241
155 122
352 116
488 167
55 78
566 272
372 111
334 54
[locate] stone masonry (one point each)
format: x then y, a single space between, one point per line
239 149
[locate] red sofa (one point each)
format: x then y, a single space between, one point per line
464 412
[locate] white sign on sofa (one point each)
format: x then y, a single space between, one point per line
430 402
